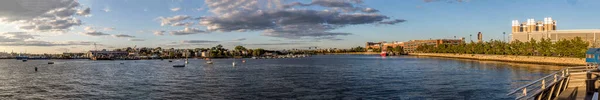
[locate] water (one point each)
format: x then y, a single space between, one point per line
317 77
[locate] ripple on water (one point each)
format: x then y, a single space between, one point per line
317 77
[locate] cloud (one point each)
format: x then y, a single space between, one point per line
88 28
45 43
62 49
106 9
137 40
159 32
109 28
84 12
123 36
289 21
198 41
175 9
240 39
182 24
42 15
269 44
187 31
20 35
392 22
168 20
26 39
94 33
301 31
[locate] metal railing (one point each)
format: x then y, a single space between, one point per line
549 86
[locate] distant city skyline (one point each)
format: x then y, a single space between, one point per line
56 26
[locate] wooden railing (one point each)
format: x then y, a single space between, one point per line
547 87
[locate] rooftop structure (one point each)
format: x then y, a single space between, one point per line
547 30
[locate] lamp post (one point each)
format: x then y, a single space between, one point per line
471 37
504 36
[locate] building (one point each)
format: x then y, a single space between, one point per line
205 53
479 37
547 29
383 45
412 45
107 55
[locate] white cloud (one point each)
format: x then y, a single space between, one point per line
94 33
123 36
106 9
175 9
159 32
109 28
187 31
168 20
42 15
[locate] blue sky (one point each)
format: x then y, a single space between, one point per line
424 19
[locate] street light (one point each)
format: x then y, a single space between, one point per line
504 36
471 37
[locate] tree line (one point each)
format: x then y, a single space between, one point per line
545 47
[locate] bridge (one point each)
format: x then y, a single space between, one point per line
572 83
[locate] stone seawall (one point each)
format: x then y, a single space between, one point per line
566 61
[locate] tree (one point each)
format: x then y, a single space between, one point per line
240 48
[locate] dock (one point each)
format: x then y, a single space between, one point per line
572 83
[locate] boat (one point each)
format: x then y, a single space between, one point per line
383 54
24 60
179 65
170 61
50 62
209 62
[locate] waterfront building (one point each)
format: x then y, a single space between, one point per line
547 29
205 53
106 55
412 45
383 45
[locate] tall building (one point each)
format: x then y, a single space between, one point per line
479 37
547 29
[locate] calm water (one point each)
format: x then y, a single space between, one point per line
317 77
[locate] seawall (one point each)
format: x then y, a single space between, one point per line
564 61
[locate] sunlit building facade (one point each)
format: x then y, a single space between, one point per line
546 29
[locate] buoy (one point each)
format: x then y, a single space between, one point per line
36 69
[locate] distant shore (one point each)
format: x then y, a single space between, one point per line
354 53
564 61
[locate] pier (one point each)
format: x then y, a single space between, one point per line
572 83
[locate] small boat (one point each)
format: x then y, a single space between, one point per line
50 62
24 60
170 61
122 63
383 54
243 61
179 65
209 62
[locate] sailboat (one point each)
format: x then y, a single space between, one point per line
209 61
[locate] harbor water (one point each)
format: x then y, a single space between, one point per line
316 77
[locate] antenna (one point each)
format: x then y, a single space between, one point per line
95 48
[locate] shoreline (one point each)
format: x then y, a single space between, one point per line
353 53
562 61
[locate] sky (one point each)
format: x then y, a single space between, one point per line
56 26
